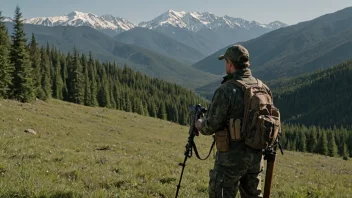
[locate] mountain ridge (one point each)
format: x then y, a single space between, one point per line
105 48
160 43
293 50
118 24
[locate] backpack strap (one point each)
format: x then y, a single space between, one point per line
245 87
260 83
239 83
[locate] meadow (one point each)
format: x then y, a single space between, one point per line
82 151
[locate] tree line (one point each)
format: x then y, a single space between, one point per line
321 98
29 71
332 142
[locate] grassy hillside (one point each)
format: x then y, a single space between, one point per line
297 49
95 152
105 48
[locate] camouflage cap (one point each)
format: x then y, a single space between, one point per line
235 53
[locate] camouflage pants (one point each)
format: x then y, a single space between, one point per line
238 169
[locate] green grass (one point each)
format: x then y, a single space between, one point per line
95 152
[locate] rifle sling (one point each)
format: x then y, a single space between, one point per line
196 151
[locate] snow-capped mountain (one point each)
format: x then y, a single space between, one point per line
7 19
220 31
196 21
203 31
106 23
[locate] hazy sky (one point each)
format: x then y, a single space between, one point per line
288 11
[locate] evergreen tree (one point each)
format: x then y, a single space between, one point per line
111 94
303 142
6 68
93 84
294 145
104 94
35 60
22 83
75 80
152 109
332 146
323 144
345 150
176 116
58 83
64 75
162 114
139 107
45 76
289 145
87 90
313 141
128 103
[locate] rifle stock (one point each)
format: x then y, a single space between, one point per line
270 156
268 178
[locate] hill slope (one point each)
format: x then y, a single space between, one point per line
160 43
94 152
105 48
293 50
321 98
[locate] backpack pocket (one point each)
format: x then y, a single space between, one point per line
264 132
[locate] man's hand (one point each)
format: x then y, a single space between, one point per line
198 124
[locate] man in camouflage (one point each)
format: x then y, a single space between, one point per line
241 166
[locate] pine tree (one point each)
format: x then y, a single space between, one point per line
128 104
313 141
294 145
152 109
289 145
22 83
176 115
139 107
332 147
111 94
162 114
6 68
64 75
35 60
93 84
345 151
46 92
323 144
104 94
87 90
58 83
303 142
75 80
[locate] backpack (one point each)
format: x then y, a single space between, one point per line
261 121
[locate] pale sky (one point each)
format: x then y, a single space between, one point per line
263 11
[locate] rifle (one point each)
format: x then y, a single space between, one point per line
270 156
196 112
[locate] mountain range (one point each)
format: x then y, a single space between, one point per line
106 48
106 23
290 51
203 31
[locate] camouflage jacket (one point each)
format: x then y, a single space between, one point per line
227 102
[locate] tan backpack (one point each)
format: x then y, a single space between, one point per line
261 122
